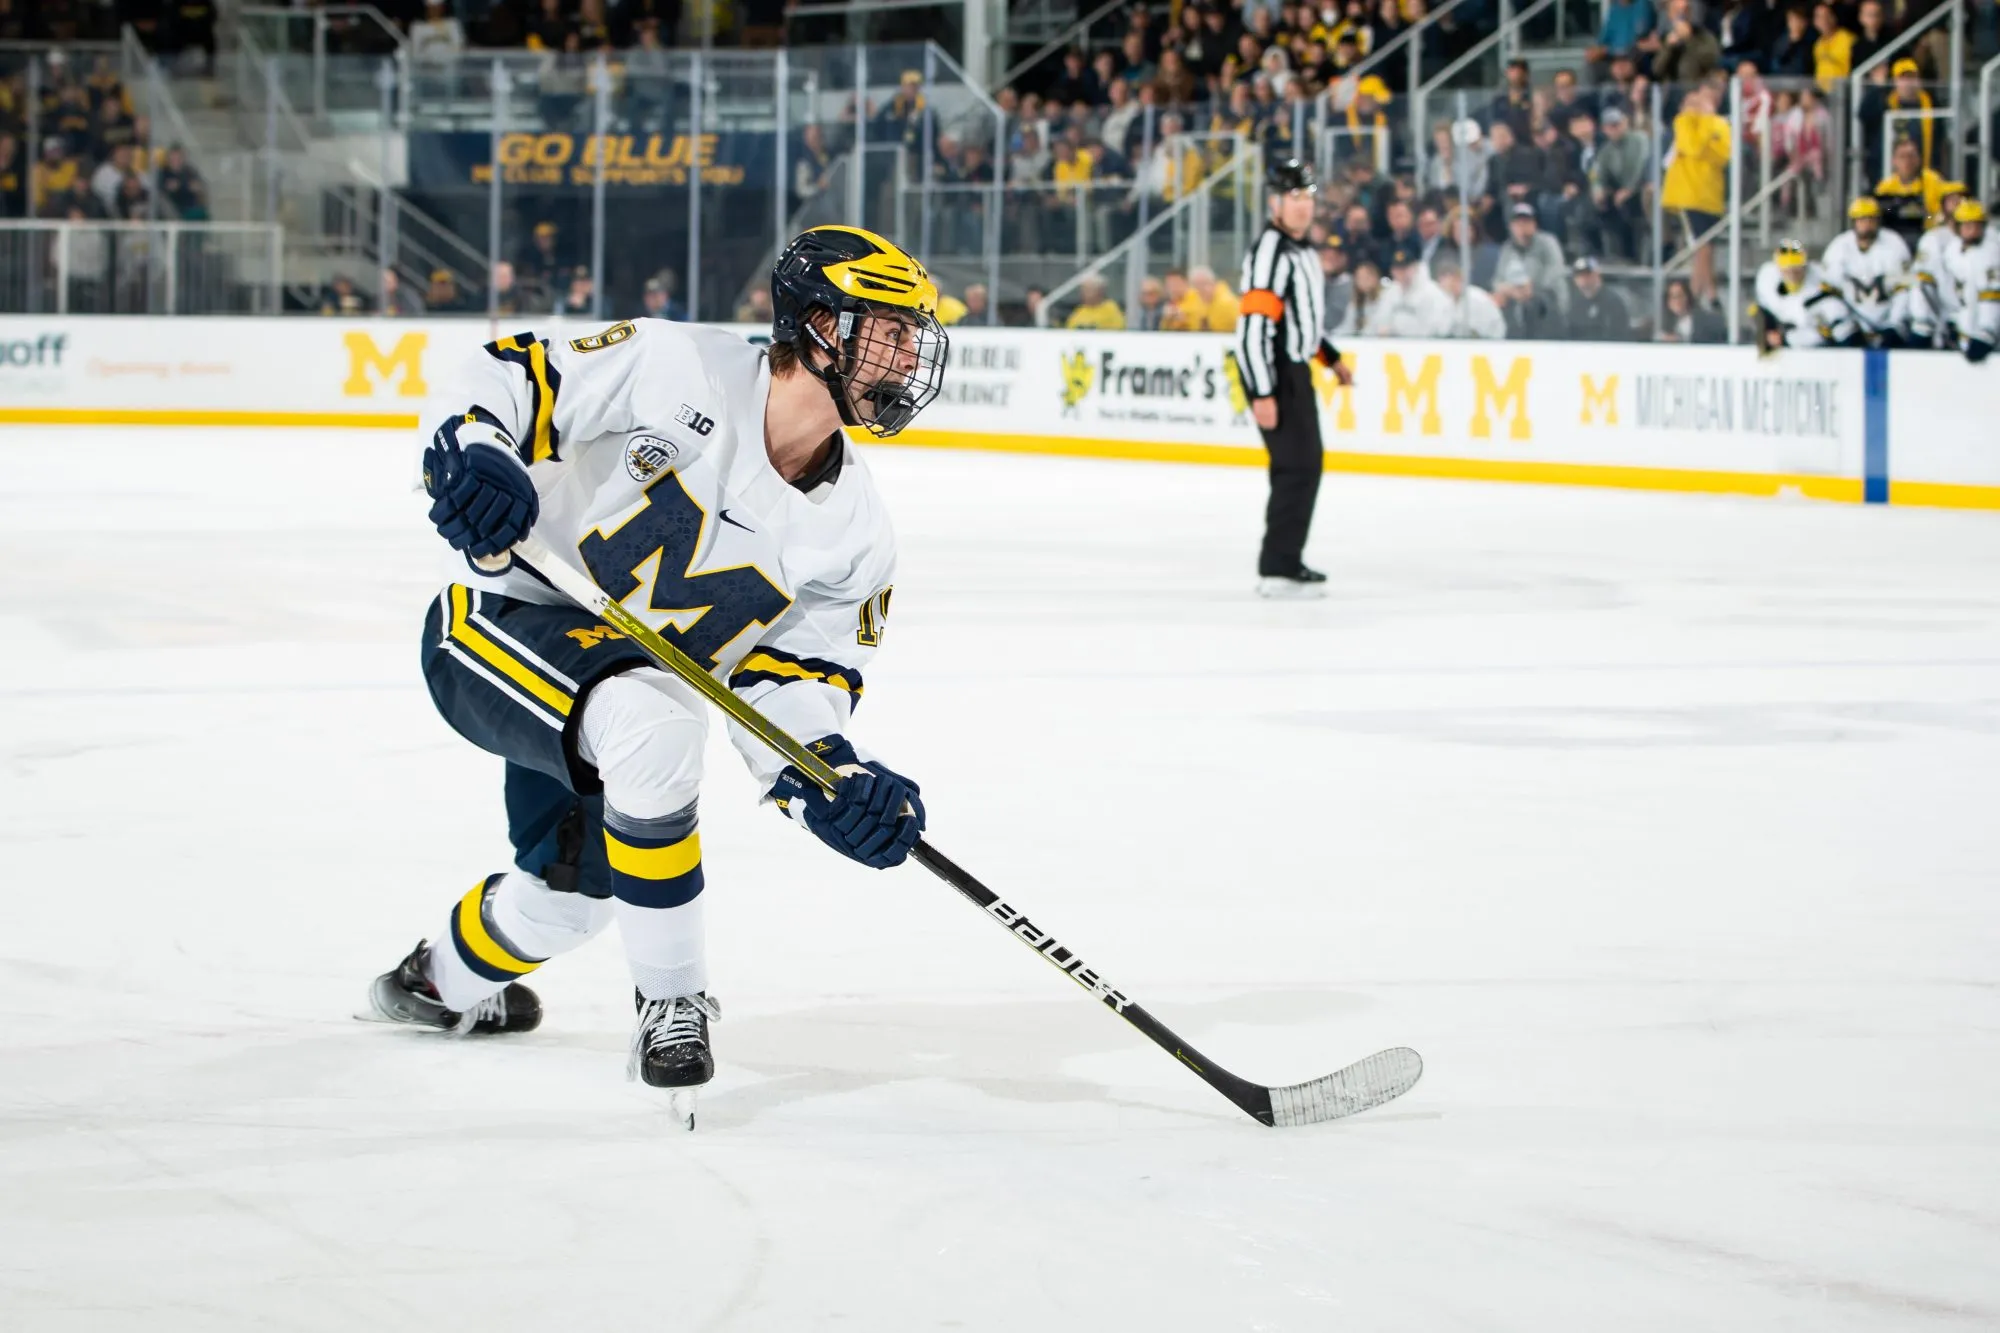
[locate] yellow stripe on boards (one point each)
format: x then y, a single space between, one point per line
1077 447
772 666
1943 495
146 416
472 929
653 862
1844 489
463 632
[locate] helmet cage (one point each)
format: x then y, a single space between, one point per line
879 383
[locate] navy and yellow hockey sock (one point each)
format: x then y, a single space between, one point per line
480 959
656 878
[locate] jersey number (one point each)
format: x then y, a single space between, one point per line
722 602
874 615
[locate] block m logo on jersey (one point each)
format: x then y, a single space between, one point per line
369 366
707 611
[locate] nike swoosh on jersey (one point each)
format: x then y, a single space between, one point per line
724 516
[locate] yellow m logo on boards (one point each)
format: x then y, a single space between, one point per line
368 364
1419 395
1493 397
1600 404
1332 393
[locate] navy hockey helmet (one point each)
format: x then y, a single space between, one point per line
884 349
1287 174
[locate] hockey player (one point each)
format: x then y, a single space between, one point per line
1926 309
1968 285
707 484
1795 305
1870 269
1942 228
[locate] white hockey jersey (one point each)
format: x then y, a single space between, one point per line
1931 247
1870 280
1812 313
646 445
1968 288
1930 307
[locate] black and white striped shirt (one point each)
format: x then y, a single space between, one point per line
1283 289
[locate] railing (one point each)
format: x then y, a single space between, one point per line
154 93
525 159
1410 41
1953 13
1987 147
1501 41
1184 232
140 268
406 238
1063 42
265 114
301 39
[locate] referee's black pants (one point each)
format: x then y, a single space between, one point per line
1296 461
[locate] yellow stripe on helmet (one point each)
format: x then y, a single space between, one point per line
889 276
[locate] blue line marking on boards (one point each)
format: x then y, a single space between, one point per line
1875 427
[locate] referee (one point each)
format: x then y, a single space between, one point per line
1277 339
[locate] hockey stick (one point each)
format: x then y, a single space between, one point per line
1379 1078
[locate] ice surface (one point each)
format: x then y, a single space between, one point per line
1664 827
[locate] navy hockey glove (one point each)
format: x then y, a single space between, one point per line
483 499
874 817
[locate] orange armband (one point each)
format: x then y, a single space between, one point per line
1262 301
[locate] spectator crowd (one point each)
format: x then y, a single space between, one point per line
93 158
1526 217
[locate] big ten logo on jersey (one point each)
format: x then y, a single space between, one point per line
687 416
874 618
611 337
370 368
705 611
646 456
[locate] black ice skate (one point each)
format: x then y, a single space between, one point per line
406 995
1301 582
670 1047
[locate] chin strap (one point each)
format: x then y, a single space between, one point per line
831 375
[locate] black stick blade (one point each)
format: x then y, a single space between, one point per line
1381 1077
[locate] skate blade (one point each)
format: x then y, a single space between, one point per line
680 1102
1288 590
370 1012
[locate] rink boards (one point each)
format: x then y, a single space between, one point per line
1837 425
